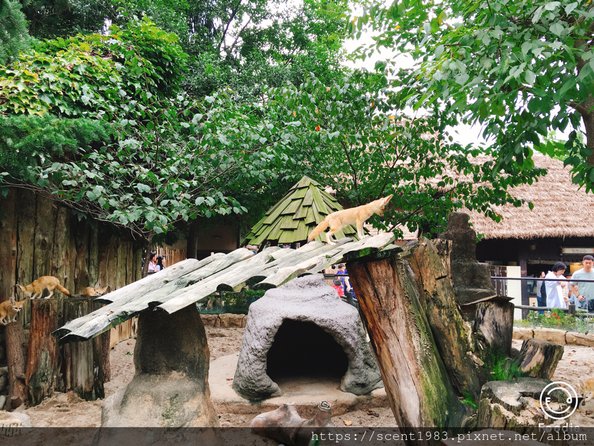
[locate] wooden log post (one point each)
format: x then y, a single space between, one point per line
414 375
79 366
494 327
15 355
451 332
539 359
43 357
85 364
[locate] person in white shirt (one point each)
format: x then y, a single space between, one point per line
152 266
555 298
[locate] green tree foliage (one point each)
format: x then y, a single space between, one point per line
110 76
55 18
98 122
520 69
349 135
14 36
249 44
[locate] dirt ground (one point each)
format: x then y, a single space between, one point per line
68 410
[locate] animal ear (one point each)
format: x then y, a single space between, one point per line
21 287
387 199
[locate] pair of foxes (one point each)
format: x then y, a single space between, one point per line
9 309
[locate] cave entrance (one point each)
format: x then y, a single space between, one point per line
302 349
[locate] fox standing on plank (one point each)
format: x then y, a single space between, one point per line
35 289
357 216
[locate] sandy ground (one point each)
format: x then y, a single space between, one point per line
576 368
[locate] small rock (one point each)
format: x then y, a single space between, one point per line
347 422
372 413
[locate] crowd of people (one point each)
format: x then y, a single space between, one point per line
555 290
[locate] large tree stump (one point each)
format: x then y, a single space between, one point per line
511 404
451 332
540 358
43 356
494 326
85 364
170 387
79 366
414 376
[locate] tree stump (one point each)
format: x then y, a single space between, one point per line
43 356
451 333
414 375
170 387
85 364
494 326
511 404
539 359
79 366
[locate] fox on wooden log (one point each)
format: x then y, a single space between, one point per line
36 288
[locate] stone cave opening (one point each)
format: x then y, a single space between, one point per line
302 349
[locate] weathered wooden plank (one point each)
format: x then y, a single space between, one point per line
140 287
230 272
60 248
164 283
157 280
26 236
229 280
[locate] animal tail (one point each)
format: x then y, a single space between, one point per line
63 290
318 230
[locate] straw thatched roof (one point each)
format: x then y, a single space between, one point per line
561 209
295 215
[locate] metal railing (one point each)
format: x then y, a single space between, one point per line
571 307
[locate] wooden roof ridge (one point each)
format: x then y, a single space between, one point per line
191 281
287 222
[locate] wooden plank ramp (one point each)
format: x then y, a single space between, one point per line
190 281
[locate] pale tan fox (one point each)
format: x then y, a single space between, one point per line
9 310
93 292
357 216
35 289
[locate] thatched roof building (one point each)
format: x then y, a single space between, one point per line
561 208
558 228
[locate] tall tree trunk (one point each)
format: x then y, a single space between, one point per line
414 375
14 332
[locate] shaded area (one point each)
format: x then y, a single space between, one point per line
303 349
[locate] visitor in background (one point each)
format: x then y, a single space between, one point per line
586 289
160 265
575 297
541 300
554 288
152 266
338 287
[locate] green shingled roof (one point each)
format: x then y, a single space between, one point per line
295 215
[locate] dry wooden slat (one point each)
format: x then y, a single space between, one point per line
126 306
